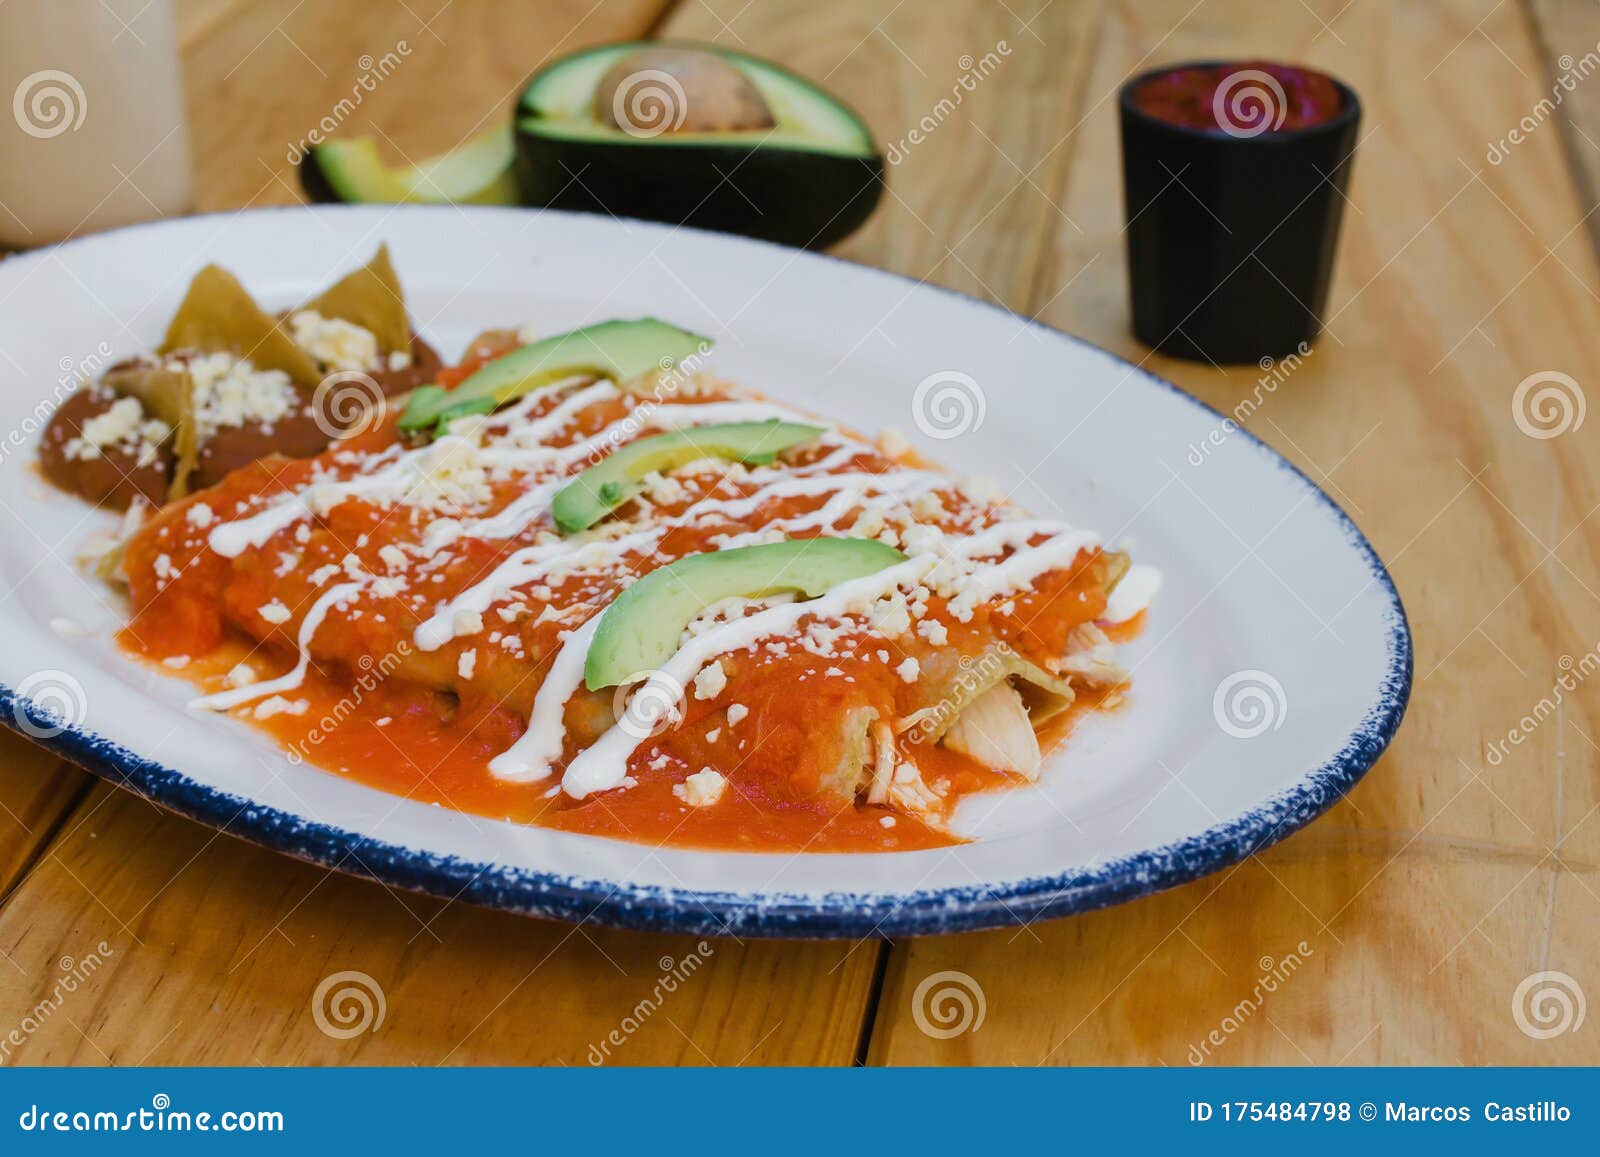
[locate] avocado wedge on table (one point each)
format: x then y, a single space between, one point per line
616 478
696 134
640 630
351 170
619 350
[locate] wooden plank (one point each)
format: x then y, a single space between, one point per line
1457 280
1336 948
1567 35
985 98
36 789
211 951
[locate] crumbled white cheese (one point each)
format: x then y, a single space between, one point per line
199 516
736 712
275 612
451 474
242 675
466 622
934 631
983 491
229 391
909 670
176 662
713 734
335 343
663 490
467 663
386 588
124 427
278 705
889 616
708 684
393 557
887 821
702 789
893 443
399 359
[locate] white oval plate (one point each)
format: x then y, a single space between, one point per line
1274 670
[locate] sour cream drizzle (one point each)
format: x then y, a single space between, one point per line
528 564
522 449
603 765
226 700
529 758
502 442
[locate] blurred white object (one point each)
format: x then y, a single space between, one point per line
95 134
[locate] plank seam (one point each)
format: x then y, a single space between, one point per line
1568 130
50 832
667 11
1037 278
869 1015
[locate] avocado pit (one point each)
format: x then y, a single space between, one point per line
679 90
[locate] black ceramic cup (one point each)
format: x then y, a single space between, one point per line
1231 235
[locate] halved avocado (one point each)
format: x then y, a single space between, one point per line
620 350
696 134
640 630
613 480
477 173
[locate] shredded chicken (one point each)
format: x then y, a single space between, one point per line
908 793
1091 658
994 729
882 763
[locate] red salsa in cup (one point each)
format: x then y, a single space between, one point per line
1242 99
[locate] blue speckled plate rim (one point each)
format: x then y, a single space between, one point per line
701 913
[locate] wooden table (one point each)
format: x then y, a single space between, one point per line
1422 901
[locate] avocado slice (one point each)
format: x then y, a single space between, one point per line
477 173
640 630
660 130
620 350
613 480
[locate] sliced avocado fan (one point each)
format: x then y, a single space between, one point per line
613 480
619 350
640 630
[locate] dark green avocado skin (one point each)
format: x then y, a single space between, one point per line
314 182
808 200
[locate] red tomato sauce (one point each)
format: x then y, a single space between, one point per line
413 730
